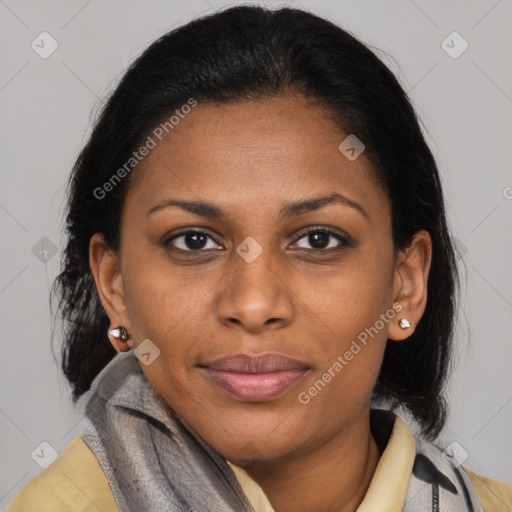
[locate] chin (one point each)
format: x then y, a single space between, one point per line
250 450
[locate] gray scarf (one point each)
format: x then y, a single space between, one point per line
155 462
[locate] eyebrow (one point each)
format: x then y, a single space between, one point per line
210 210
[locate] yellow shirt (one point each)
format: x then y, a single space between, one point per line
75 482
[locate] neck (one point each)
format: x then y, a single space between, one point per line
334 477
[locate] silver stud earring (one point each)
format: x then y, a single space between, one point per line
404 323
120 333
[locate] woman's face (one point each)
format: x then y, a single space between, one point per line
261 275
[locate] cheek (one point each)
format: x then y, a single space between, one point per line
165 309
348 300
161 300
157 291
352 315
352 360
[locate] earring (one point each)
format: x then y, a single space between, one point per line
120 333
404 323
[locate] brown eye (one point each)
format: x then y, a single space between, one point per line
323 239
192 241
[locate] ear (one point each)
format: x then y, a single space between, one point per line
106 269
410 284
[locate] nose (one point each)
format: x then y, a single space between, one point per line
255 296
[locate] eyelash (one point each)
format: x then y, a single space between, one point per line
345 242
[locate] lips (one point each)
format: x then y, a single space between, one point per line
255 378
263 363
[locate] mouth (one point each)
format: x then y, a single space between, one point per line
255 378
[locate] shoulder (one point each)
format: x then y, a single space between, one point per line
494 495
74 482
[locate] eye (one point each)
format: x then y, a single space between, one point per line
191 241
320 239
323 240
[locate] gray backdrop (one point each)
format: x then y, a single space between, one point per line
463 95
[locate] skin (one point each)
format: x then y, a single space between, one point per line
250 159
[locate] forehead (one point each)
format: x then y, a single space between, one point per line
257 152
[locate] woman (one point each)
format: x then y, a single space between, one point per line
257 225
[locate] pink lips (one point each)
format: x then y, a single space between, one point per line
256 378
